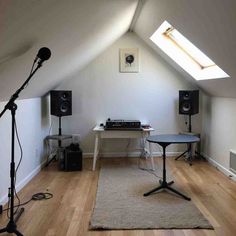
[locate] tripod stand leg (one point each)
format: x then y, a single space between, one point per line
52 159
161 181
181 155
153 190
19 214
177 192
11 228
3 230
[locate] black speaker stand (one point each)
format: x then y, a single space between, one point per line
189 144
59 143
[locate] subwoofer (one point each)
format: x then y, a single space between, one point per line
73 159
61 102
188 102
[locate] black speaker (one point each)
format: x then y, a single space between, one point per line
61 102
73 159
188 102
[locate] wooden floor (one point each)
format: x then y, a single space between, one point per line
68 212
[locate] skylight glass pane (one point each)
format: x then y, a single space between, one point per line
185 54
192 50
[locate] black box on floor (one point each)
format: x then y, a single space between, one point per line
61 157
73 158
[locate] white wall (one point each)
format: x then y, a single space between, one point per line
32 119
100 91
219 130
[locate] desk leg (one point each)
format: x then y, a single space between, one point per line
151 155
96 151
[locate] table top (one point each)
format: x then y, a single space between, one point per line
101 128
172 138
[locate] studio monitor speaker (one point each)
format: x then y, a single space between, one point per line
188 102
61 102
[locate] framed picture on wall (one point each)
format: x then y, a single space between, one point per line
129 60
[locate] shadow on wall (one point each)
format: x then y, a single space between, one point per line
45 111
207 120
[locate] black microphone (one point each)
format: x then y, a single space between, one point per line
43 55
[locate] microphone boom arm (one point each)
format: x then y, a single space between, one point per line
16 94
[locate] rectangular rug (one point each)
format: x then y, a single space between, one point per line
120 203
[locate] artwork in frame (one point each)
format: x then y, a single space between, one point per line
129 60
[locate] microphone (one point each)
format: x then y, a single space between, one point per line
43 55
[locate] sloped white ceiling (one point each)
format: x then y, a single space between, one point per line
76 31
209 24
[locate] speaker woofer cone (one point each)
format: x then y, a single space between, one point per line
64 107
186 107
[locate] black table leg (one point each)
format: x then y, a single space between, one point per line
163 183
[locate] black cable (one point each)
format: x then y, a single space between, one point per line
20 146
35 197
149 170
50 128
21 156
8 204
18 165
143 152
186 121
31 71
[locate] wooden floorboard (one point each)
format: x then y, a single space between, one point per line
69 211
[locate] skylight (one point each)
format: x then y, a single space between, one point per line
184 53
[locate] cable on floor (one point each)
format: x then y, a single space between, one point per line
35 197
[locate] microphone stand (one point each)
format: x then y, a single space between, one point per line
11 226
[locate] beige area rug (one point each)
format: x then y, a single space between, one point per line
120 203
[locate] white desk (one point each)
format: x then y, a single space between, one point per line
101 133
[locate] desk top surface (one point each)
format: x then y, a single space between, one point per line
101 129
172 138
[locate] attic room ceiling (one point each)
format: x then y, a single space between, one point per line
208 24
76 31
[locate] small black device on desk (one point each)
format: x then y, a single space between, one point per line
123 124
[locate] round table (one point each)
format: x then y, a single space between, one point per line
165 140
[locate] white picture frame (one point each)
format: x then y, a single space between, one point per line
129 60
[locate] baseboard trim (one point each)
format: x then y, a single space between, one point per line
23 182
125 154
219 167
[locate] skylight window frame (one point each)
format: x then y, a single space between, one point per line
192 64
169 35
